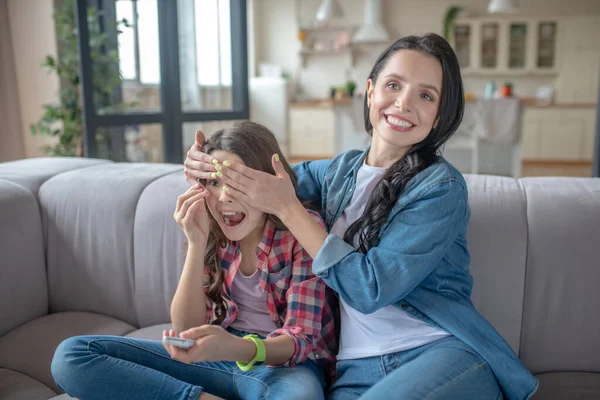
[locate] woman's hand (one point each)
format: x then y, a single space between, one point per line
192 216
198 164
213 343
271 194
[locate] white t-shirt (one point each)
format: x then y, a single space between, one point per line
389 329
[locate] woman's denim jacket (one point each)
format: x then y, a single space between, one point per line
421 264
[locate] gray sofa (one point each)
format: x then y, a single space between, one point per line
90 247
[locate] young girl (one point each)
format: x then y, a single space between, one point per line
396 251
261 305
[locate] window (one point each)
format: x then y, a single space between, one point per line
212 41
181 62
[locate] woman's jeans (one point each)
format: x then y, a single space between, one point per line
114 367
445 369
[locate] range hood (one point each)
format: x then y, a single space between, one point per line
372 29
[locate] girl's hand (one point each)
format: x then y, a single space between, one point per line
192 216
213 343
198 164
271 194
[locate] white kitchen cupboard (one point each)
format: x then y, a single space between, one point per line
579 60
506 46
311 132
558 134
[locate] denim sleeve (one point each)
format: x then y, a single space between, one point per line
311 175
411 246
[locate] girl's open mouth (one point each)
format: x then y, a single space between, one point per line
232 219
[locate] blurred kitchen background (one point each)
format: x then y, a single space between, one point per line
531 74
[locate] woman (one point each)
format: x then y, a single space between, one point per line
396 253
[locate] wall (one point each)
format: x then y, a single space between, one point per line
33 37
277 23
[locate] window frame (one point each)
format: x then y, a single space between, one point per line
171 115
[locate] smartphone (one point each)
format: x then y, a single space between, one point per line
181 343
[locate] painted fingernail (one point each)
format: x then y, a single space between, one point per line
226 163
225 188
213 176
219 174
215 161
218 167
276 157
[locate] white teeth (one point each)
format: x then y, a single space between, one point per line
230 213
399 122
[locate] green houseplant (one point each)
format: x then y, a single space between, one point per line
449 17
64 120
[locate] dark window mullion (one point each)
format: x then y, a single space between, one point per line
214 115
168 38
239 58
85 70
132 118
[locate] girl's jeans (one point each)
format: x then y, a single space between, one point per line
114 367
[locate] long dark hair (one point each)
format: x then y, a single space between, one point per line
255 145
367 228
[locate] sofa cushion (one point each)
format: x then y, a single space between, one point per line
497 241
33 172
23 284
63 396
29 349
16 386
158 249
568 386
561 318
89 216
153 332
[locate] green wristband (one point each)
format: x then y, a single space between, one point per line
259 357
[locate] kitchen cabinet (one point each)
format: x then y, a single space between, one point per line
506 46
579 60
558 134
311 132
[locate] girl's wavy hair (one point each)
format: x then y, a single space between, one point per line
255 145
366 230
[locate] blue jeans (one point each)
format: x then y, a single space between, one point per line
114 367
445 369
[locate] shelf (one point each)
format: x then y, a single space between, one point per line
351 50
304 54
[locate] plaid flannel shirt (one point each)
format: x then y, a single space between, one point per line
300 304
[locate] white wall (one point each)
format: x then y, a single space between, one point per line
33 37
277 23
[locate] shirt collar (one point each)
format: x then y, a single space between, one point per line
359 162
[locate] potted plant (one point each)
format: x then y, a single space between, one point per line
350 87
506 90
449 17
64 120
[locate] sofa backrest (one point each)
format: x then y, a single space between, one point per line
497 241
561 313
89 215
112 247
23 285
